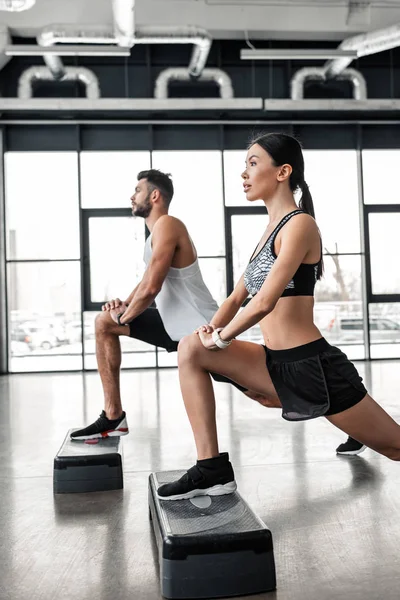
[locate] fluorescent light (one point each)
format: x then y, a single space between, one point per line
295 54
61 50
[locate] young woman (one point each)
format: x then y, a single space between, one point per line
296 367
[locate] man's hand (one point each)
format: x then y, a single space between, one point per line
115 312
112 304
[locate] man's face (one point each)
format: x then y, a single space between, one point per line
140 200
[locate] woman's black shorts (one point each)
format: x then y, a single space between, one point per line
314 380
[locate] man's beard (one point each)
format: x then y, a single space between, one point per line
144 210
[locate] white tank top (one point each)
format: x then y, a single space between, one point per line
184 302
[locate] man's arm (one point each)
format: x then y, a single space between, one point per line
164 242
131 295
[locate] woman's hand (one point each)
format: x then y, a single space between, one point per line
207 328
207 340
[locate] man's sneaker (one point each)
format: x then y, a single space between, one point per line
102 428
351 447
209 477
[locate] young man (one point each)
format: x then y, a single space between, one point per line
172 278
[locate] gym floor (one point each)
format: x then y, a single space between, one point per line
334 520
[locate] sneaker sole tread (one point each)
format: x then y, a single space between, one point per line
216 490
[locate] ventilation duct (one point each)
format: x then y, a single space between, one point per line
16 5
221 78
59 34
4 41
318 74
365 44
180 35
85 76
124 22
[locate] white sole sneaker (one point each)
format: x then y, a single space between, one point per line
352 452
122 429
216 490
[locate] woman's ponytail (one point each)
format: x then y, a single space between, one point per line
306 201
306 204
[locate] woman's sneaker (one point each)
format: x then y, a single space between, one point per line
351 447
209 477
102 428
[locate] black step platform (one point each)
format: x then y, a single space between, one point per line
210 546
82 467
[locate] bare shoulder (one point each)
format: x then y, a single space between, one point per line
169 225
303 224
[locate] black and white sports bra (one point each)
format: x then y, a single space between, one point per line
257 270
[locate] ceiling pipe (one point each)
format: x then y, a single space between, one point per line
300 78
61 34
16 5
4 41
221 78
124 34
189 34
32 74
365 44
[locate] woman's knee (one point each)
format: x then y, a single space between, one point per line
188 347
392 453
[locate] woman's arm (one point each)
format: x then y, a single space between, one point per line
230 306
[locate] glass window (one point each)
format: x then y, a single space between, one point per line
378 189
198 199
44 301
332 178
116 265
108 179
135 354
167 359
351 324
338 311
384 322
384 245
234 165
42 205
247 231
213 271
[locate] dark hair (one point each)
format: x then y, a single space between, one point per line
160 181
285 149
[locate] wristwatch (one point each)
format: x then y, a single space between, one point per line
222 344
119 320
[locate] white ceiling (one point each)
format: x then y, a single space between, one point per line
230 19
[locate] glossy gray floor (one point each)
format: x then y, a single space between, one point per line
335 521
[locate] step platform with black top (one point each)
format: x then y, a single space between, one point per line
88 467
210 546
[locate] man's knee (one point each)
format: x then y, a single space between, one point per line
103 323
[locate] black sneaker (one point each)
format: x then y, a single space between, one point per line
102 428
209 477
351 447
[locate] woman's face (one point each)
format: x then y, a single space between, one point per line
260 177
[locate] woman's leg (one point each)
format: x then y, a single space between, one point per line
244 362
269 402
368 423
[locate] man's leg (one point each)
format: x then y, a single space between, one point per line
108 354
147 327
